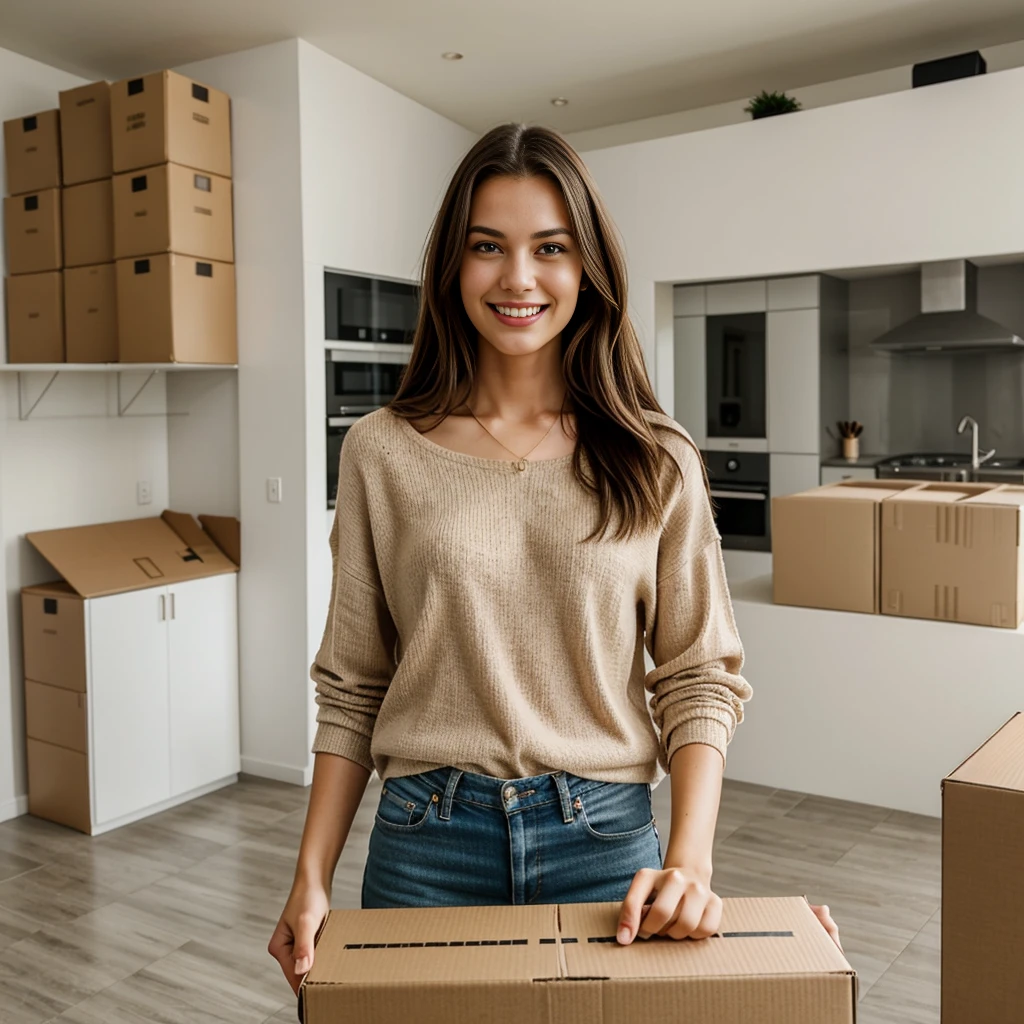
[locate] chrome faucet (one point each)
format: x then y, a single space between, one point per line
976 460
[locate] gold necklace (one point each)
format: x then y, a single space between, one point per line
520 460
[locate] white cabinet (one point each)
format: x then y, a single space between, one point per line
163 695
689 359
736 297
836 474
794 292
790 474
794 380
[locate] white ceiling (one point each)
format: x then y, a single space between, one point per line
615 60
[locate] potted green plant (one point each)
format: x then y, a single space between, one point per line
767 104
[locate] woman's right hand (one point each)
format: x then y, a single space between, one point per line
291 945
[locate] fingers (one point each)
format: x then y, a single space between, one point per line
632 913
305 933
280 948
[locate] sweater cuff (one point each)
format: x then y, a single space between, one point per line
336 739
698 730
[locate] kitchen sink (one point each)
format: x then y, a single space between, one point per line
953 467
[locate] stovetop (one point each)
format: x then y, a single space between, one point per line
946 460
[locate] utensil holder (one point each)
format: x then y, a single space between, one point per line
851 448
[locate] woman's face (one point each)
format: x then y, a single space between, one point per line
519 255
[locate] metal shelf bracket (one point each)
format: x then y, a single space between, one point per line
23 413
122 409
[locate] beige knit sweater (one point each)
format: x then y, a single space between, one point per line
468 627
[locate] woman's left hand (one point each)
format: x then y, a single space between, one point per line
685 906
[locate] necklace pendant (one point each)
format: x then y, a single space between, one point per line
520 464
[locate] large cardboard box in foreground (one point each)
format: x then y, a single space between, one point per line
32 152
826 544
59 639
954 552
772 962
166 116
983 883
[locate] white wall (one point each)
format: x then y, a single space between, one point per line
927 174
374 168
73 462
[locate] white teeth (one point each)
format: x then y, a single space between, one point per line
517 312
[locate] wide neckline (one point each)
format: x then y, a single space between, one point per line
475 460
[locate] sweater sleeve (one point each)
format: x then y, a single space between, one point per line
698 691
355 662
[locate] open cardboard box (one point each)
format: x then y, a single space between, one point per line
771 962
982 882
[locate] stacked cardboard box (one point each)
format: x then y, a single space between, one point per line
32 230
934 551
173 232
90 297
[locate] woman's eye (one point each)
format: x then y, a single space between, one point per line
553 245
478 244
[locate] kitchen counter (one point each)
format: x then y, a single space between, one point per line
871 708
864 462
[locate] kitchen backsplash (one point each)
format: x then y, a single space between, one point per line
913 402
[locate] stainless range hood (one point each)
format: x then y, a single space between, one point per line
949 320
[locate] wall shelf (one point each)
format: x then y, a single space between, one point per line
53 370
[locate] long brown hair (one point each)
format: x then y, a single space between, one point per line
602 360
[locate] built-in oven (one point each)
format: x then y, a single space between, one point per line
737 382
739 495
337 428
363 380
369 309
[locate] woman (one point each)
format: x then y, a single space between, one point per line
484 644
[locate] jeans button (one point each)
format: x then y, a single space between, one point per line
509 793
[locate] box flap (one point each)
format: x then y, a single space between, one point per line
757 936
1005 494
420 944
998 762
226 532
856 490
109 558
945 492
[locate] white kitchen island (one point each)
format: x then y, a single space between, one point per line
871 708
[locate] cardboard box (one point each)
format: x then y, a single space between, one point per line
90 314
86 150
32 228
172 208
108 558
35 318
825 544
88 223
982 882
546 964
176 309
953 552
32 149
167 117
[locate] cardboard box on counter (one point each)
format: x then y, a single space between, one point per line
826 544
32 152
172 208
86 150
176 309
954 552
167 117
983 884
35 318
95 561
560 964
88 223
32 229
90 314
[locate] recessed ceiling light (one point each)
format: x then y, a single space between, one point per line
452 55
559 101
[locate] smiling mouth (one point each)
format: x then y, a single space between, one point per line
518 312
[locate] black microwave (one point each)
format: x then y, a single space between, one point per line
361 381
369 309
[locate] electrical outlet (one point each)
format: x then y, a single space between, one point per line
143 492
274 489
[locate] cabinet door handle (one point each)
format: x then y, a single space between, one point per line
163 607
172 605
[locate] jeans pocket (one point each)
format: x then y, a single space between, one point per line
404 803
616 810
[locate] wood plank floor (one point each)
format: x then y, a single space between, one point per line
166 921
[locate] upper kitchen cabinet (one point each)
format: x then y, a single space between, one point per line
794 292
736 297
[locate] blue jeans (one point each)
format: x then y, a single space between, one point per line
454 838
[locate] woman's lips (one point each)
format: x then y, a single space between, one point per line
518 321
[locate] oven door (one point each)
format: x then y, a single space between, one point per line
362 381
337 428
742 512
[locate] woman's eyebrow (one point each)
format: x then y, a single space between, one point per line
494 233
